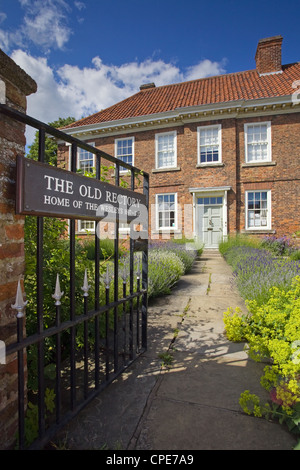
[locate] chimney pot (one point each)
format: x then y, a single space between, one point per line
147 85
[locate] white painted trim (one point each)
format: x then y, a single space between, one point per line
92 144
84 230
269 141
161 134
211 126
269 211
212 191
200 113
115 147
166 229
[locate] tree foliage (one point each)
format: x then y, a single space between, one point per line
50 143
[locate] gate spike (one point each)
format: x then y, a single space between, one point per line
58 293
19 304
85 287
107 278
124 273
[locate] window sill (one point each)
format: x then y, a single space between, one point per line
85 233
166 230
245 165
163 170
258 230
208 165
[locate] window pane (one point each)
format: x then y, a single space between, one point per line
257 143
85 160
125 151
257 209
166 210
209 145
166 150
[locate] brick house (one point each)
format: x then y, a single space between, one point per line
223 152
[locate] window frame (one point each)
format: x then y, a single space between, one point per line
269 142
175 227
81 229
157 136
201 128
119 139
92 144
269 207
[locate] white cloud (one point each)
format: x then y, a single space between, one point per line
45 24
78 92
4 40
205 68
80 5
3 17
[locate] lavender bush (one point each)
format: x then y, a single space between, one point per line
279 246
187 252
256 270
167 262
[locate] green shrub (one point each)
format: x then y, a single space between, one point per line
190 244
187 253
295 255
107 248
164 270
238 240
272 331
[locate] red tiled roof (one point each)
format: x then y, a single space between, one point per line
247 85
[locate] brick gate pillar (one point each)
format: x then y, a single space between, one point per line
15 86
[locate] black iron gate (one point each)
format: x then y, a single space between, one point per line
117 323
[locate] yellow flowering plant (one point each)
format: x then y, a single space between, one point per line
272 330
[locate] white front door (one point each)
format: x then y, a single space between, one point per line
210 221
212 226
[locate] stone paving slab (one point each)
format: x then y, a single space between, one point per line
193 405
190 426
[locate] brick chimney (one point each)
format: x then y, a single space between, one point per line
268 55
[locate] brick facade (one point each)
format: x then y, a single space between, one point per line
262 97
281 175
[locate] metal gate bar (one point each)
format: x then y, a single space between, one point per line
101 351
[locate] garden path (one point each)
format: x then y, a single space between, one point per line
192 402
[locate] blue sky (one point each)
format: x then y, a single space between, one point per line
88 54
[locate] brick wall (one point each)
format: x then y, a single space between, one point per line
15 86
282 176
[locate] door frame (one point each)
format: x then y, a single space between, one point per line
208 192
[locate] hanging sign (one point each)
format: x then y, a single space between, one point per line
44 190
